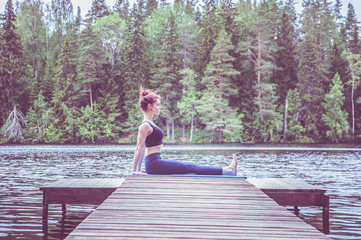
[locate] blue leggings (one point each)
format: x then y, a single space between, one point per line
154 164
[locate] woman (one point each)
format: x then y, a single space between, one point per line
150 142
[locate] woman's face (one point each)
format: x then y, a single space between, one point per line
155 107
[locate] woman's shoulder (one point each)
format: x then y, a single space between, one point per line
145 126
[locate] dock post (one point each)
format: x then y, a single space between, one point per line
296 210
45 213
326 214
63 208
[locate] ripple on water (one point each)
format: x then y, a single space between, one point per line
23 169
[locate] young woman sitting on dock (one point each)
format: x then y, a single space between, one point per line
150 143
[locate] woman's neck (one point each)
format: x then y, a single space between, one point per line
148 117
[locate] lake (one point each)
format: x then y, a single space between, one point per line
23 169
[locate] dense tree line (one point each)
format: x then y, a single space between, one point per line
226 72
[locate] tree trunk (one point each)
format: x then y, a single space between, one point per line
285 122
353 108
91 97
167 124
220 136
191 138
184 130
172 130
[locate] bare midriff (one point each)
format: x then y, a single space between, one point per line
151 150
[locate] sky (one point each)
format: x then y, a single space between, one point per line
86 4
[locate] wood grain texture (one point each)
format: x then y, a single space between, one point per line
191 208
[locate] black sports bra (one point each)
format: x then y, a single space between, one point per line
155 138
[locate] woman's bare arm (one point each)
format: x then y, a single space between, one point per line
143 132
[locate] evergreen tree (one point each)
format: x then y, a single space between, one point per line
318 28
268 124
12 82
32 29
136 72
88 124
244 99
122 8
352 31
215 112
334 117
98 10
63 126
89 65
187 105
187 34
292 127
108 109
339 64
37 120
286 74
150 6
60 16
208 33
261 49
166 76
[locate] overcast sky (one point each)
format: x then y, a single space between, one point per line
85 5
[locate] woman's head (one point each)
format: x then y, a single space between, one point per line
147 99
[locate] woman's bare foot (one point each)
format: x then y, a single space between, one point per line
231 169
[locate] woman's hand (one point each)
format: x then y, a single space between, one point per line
142 173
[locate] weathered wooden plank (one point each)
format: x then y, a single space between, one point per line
191 207
116 234
85 183
283 184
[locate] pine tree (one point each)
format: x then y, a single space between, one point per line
32 30
150 6
208 33
98 10
166 75
37 120
339 64
286 74
243 101
89 65
352 31
215 111
122 8
12 82
187 105
60 15
187 34
261 48
136 72
63 129
334 117
268 124
292 127
318 28
108 101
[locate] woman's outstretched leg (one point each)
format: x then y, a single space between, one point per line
232 168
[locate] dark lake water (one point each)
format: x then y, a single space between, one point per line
23 169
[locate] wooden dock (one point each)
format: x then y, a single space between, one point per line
76 191
163 207
296 193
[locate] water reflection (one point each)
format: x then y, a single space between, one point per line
23 169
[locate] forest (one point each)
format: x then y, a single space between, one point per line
225 71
